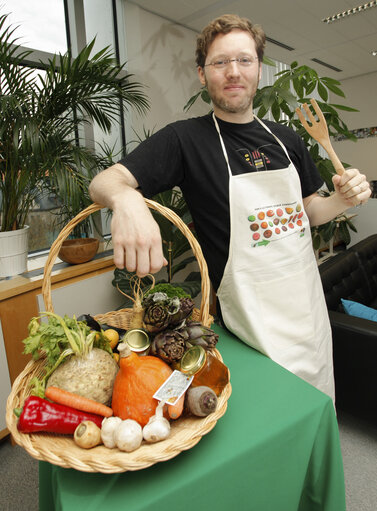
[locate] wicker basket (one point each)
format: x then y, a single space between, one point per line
61 450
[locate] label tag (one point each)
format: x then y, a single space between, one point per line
173 388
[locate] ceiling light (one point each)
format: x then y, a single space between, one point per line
278 43
374 53
349 12
330 66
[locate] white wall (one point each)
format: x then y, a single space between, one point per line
161 55
361 94
95 295
365 221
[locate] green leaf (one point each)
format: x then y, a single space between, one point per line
310 87
297 85
182 264
205 96
351 225
344 233
316 240
328 230
269 62
268 98
262 112
327 80
344 107
191 101
288 97
322 91
275 110
336 90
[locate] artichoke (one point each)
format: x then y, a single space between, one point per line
153 298
156 318
186 306
195 334
169 346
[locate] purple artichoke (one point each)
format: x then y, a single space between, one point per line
186 306
156 318
169 346
195 334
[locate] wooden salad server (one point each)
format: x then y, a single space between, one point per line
319 131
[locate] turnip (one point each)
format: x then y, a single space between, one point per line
91 375
73 364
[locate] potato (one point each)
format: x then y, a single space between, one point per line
90 376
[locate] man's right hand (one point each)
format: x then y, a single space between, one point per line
135 233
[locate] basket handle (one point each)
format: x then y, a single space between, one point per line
170 215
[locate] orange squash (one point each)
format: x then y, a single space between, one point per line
137 380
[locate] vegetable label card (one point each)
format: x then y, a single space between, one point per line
173 388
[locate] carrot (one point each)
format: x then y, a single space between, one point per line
175 411
84 404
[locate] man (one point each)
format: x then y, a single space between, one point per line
251 187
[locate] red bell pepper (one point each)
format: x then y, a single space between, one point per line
41 415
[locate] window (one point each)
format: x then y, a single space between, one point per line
30 17
48 27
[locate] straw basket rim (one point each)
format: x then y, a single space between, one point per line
61 450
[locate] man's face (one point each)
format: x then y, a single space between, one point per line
232 88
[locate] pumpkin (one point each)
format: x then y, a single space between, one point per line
135 384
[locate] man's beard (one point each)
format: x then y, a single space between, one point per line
230 107
227 106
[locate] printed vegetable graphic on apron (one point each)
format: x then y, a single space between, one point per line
273 223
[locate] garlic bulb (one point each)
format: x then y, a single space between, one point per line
157 428
128 435
108 427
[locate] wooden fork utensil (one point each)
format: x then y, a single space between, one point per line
319 131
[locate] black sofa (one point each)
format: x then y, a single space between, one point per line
352 275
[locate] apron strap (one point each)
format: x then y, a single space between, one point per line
275 137
222 143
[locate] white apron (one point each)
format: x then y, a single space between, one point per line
271 295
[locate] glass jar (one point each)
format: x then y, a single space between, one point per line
206 369
138 341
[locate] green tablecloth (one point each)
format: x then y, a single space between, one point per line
276 449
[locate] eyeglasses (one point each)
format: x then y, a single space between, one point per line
241 61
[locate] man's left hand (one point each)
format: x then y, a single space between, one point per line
352 187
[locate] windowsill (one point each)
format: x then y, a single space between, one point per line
37 262
33 278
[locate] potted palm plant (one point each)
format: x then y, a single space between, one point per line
42 117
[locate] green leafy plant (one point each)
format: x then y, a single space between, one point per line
293 87
42 116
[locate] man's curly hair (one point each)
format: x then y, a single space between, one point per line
223 25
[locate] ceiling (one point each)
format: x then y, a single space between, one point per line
345 44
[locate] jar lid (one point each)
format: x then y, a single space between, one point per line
193 360
137 339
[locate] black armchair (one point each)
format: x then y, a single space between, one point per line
352 275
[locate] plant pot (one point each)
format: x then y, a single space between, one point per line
13 252
77 251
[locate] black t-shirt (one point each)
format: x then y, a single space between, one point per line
188 154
